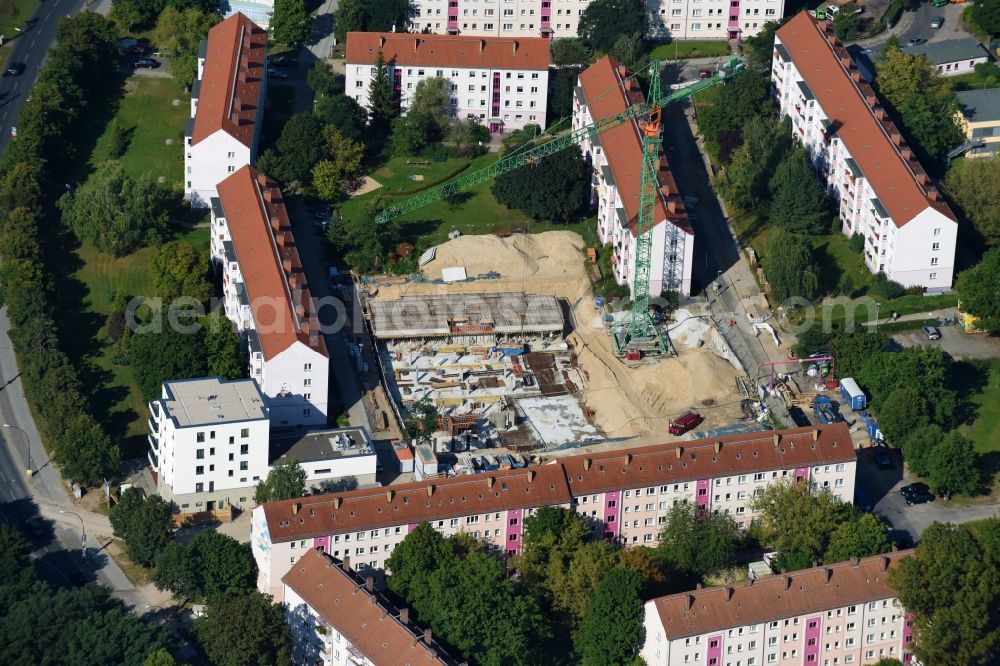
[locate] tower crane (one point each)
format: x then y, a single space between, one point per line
640 332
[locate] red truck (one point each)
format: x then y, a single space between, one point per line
685 422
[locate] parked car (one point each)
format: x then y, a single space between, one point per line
685 422
937 22
831 10
883 459
147 63
35 526
931 332
283 61
915 41
704 73
916 493
14 69
136 50
277 73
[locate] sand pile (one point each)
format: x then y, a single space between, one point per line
626 401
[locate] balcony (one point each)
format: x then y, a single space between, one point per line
153 461
152 443
153 425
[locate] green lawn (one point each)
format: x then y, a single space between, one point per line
101 275
973 81
691 48
14 13
472 212
148 112
984 431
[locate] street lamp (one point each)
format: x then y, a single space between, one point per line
27 446
83 529
877 306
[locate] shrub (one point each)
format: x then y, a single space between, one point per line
857 242
886 288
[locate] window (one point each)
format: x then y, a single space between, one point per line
307 382
934 261
230 169
933 276
200 453
200 469
244 449
199 487
937 231
200 437
307 367
244 465
244 432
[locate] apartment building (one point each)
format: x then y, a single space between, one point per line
258 11
838 614
884 194
502 82
266 295
951 57
208 442
554 19
711 19
604 89
627 495
227 106
339 619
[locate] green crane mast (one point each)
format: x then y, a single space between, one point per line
640 331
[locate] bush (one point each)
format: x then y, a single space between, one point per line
987 69
857 242
892 13
886 288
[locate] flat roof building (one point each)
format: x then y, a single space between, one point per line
951 56
979 118
343 456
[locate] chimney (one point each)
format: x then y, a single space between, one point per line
514 50
729 594
856 76
815 434
300 310
883 563
482 45
430 489
788 583
531 475
404 616
833 39
827 575
275 222
286 263
280 238
932 194
381 41
347 563
267 195
389 494
872 100
678 451
777 438
416 44
880 113
336 503
295 508
369 583
921 177
672 205
718 447
490 481
907 154
586 464
896 138
846 62
428 637
688 601
304 326
628 458
262 180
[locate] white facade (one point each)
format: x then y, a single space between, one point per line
498 95
343 456
210 161
295 383
208 443
258 11
677 19
915 250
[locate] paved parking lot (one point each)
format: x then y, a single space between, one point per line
953 340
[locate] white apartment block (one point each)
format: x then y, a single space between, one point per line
626 493
208 443
884 194
555 19
835 615
258 11
501 82
227 106
339 619
266 295
605 89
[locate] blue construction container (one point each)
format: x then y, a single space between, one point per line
852 394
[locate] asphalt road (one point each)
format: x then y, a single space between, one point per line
31 47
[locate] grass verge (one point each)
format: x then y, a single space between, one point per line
14 14
690 48
984 430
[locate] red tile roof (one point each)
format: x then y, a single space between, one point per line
231 81
557 482
363 617
609 90
777 597
448 50
830 73
269 262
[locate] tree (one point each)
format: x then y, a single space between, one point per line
864 536
382 103
84 450
244 628
559 100
298 149
431 99
561 194
926 369
323 81
798 202
747 95
116 213
852 349
343 113
970 184
796 521
179 33
930 120
211 564
422 421
569 51
467 137
790 268
178 269
388 15
290 22
986 15
412 134
846 23
603 21
899 75
572 586
224 357
160 657
612 630
550 539
131 14
978 292
952 586
918 445
167 355
904 411
177 572
630 51
951 466
696 546
348 17
118 138
744 183
143 523
286 480
345 154
758 49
